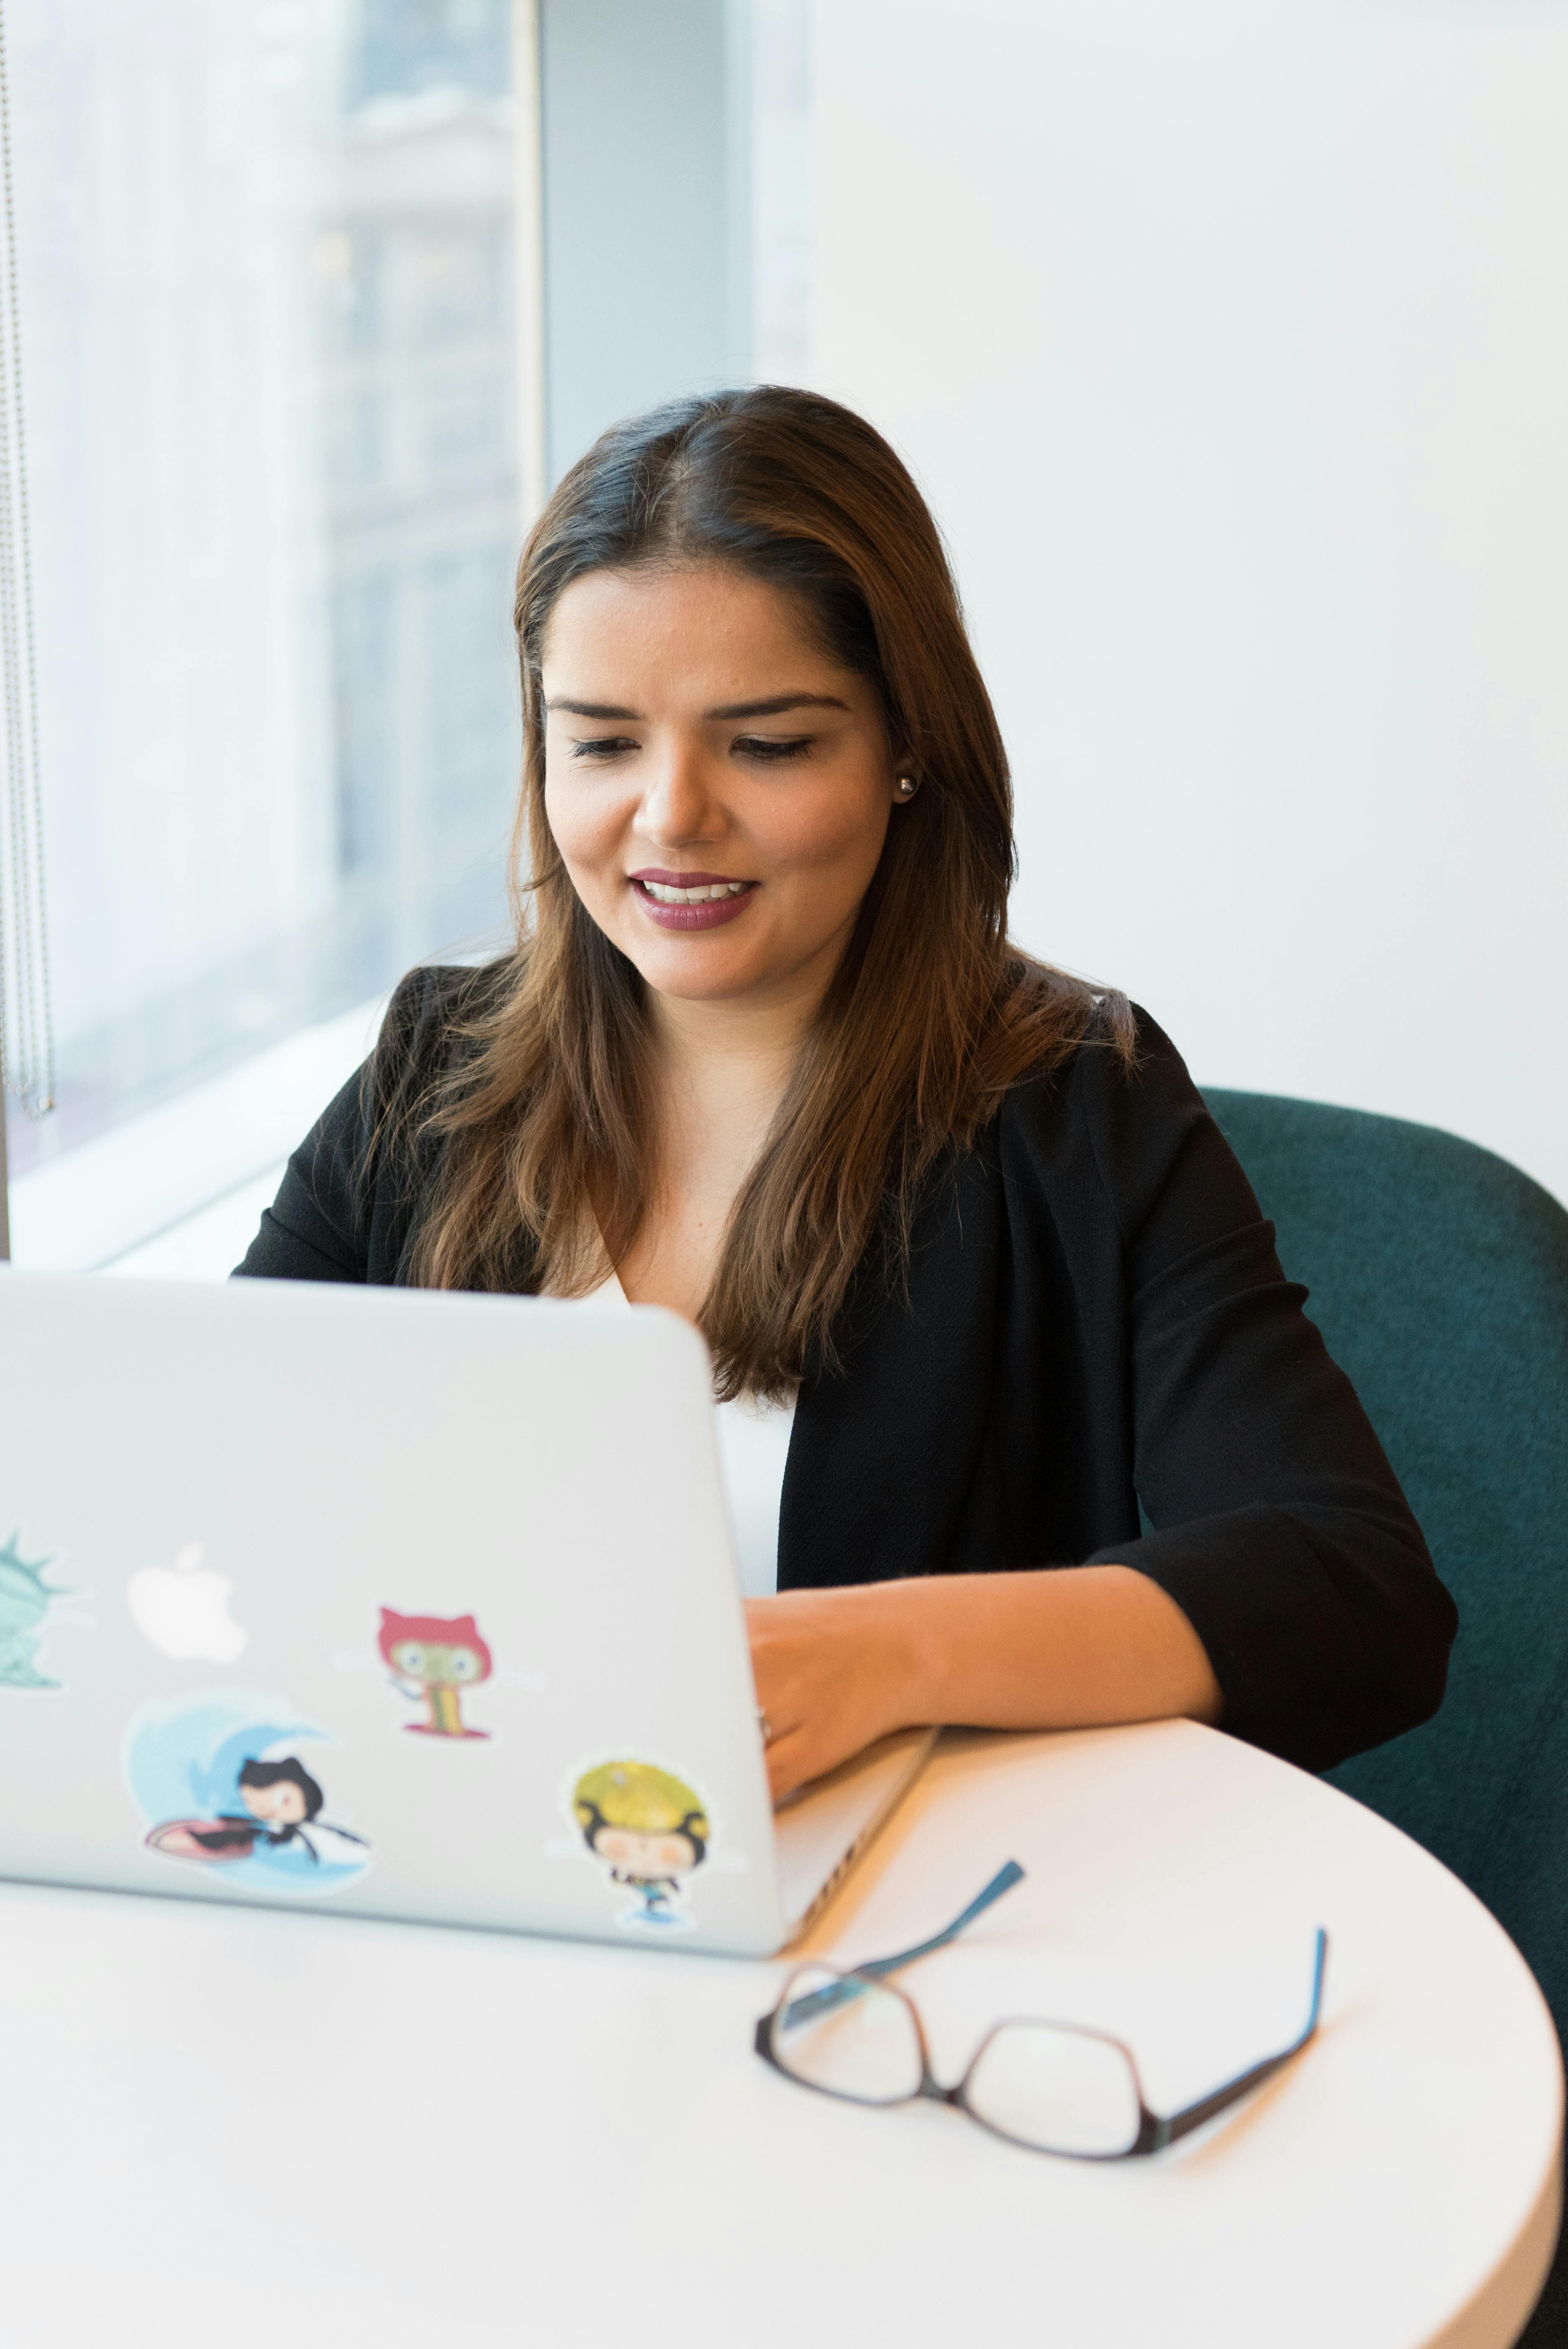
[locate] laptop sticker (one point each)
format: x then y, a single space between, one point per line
182 1610
220 1783
25 1602
431 1659
649 1831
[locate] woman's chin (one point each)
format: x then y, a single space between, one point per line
694 965
695 976
684 982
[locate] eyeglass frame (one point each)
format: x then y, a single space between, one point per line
1154 2130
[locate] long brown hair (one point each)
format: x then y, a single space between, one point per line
546 1107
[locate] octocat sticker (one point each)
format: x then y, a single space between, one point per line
650 1831
433 1660
220 1783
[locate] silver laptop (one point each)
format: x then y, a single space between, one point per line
407 1605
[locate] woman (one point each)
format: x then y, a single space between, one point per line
763 1053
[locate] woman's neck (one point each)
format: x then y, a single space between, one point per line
721 1071
727 1065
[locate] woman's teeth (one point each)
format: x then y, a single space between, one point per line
663 894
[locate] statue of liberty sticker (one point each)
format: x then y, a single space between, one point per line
25 1602
651 1832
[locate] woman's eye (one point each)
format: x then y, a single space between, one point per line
768 751
602 746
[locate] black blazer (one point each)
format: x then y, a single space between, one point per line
1093 1317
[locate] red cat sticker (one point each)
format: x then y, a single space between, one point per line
432 1658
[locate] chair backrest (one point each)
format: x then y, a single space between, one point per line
1440 1279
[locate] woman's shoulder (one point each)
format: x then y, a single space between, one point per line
1114 1117
432 1005
430 1021
1085 1051
373 1128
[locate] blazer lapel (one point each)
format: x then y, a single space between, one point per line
883 1452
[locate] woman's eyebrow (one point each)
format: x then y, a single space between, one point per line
776 706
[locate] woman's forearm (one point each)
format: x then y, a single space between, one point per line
1070 1647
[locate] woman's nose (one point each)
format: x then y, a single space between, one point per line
678 805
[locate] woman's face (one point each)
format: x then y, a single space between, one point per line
719 787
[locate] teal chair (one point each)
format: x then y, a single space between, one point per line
1438 1276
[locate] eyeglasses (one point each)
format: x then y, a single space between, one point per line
1052 2087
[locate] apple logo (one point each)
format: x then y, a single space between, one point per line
184 1610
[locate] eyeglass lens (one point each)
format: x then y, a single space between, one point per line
1059 2091
849 2038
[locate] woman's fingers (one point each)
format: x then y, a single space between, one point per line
822 1678
793 1760
788 1766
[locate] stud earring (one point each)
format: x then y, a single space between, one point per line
907 787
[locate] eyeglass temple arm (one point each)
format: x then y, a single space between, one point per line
1193 2117
832 1994
1006 1876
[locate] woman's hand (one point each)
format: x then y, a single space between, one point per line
1062 1647
832 1669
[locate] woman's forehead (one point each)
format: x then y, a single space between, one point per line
702 639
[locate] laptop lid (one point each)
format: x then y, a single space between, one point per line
410 1604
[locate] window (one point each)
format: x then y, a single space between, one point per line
290 374
268 259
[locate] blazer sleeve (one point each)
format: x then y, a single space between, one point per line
1278 1526
346 1206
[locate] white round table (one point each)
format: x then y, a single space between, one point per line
228 2127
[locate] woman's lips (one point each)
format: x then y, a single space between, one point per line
692 901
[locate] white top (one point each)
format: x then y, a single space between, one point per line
754 1446
578 2144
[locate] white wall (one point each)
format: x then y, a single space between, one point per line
1230 343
